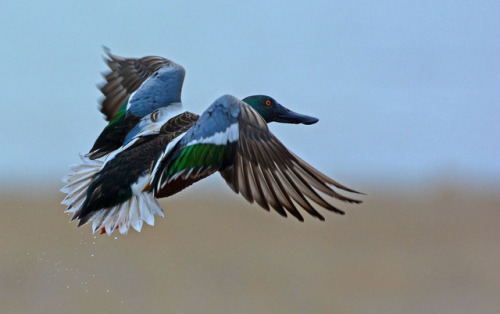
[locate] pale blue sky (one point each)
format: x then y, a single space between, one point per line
405 90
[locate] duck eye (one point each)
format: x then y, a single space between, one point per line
268 102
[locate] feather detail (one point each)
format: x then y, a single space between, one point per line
126 75
77 182
265 171
132 213
139 208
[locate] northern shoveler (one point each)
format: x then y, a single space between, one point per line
153 149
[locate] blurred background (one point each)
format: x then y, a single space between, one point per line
408 97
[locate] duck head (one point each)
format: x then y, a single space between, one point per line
271 111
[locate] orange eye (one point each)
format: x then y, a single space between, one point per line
268 102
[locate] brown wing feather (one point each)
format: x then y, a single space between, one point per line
125 76
267 172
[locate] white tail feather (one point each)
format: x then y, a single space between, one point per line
140 207
133 213
78 181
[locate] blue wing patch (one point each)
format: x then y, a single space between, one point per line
161 89
221 115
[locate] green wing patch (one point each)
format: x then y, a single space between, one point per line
119 114
203 156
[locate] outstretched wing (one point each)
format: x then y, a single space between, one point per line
231 137
126 75
265 171
135 88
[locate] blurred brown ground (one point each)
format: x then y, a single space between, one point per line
433 251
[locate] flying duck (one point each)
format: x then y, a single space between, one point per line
152 148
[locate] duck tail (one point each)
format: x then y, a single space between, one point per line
132 213
77 182
136 210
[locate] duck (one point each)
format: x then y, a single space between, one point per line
164 152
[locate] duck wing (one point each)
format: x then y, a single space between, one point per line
125 76
232 138
135 88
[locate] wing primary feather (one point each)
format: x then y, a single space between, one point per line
298 195
320 177
284 186
311 175
262 200
305 188
248 150
312 194
278 187
314 181
235 178
272 197
257 151
265 187
131 81
113 82
109 76
245 190
285 201
256 161
257 192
